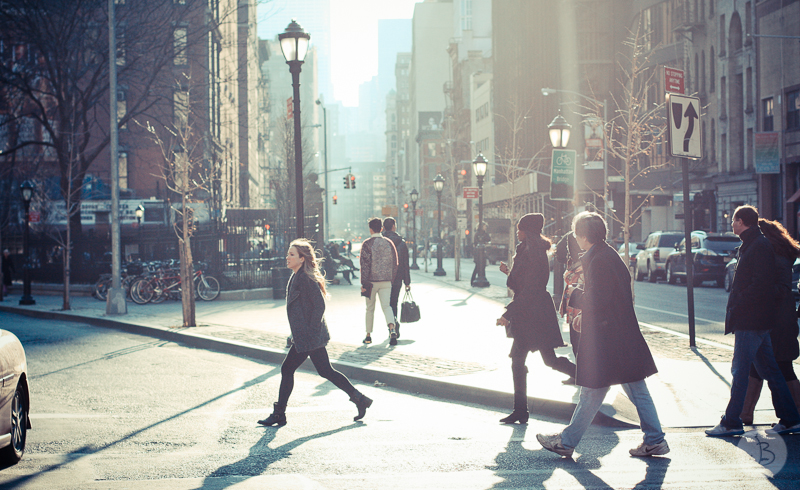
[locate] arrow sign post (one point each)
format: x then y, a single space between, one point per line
683 114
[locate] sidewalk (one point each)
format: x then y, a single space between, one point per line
455 351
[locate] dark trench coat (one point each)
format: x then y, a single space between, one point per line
532 314
305 307
612 349
784 335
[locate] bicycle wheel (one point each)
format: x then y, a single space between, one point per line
101 288
142 291
160 292
207 288
127 284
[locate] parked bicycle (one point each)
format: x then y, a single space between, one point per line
165 283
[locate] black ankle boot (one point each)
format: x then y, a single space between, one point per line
518 415
362 403
278 416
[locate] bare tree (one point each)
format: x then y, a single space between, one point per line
182 148
635 130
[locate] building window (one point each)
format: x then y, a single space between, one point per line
723 99
180 101
179 45
431 149
123 170
122 107
793 109
722 35
749 90
466 15
768 109
712 70
120 49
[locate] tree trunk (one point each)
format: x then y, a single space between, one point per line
67 253
187 271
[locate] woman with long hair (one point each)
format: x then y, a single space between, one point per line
530 318
305 307
784 334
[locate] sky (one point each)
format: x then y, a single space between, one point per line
354 41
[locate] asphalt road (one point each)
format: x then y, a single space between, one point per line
118 411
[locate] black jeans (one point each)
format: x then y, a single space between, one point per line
394 297
520 373
321 363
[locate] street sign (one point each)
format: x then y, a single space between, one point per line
673 80
683 114
562 175
34 216
471 192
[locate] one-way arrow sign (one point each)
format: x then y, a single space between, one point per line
683 114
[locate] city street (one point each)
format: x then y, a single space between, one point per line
113 410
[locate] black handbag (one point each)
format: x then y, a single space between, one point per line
409 311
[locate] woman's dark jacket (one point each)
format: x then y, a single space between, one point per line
532 314
305 308
784 335
612 349
751 304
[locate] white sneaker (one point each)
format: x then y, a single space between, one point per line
781 429
553 443
644 450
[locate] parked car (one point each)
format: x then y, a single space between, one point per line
652 258
633 250
711 252
730 273
15 399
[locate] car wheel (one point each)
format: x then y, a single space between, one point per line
639 275
728 281
12 453
651 275
670 275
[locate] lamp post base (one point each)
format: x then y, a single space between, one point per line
27 300
439 272
115 303
414 267
480 280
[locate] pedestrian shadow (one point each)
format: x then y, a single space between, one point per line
261 456
90 449
111 355
778 455
710 366
460 302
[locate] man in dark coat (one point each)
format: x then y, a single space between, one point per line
612 349
403 274
750 315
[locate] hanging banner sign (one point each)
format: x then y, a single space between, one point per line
766 150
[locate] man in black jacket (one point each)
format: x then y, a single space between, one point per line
750 315
403 273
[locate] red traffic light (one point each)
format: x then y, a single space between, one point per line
405 206
463 172
266 227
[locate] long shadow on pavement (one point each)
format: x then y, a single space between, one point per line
710 366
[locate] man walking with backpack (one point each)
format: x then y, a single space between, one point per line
403 271
378 270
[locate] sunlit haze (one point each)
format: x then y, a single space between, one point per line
354 38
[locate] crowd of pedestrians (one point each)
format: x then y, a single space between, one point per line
597 304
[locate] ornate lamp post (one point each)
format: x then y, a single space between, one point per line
414 198
294 45
559 130
438 185
479 166
26 189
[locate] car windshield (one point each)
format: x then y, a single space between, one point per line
722 245
669 240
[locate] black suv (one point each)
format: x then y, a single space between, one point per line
710 252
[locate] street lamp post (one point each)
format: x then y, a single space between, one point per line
414 197
479 166
326 234
294 45
139 215
604 103
26 189
559 130
438 184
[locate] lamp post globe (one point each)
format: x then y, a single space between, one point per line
26 192
294 45
414 198
438 185
559 130
479 166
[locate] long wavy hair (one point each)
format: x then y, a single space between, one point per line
781 240
310 262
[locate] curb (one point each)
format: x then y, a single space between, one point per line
619 415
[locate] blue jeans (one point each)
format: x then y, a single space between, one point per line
755 347
590 401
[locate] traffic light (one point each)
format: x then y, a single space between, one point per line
405 207
335 199
346 182
352 181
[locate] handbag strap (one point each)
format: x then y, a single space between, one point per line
407 298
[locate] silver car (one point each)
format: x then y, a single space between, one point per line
651 260
14 399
